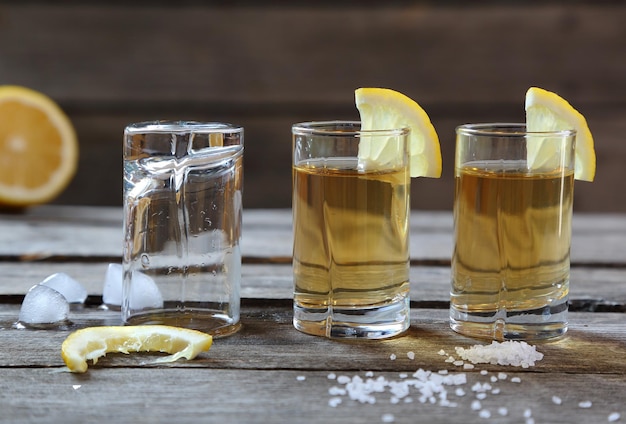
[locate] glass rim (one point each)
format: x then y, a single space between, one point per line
181 126
330 128
508 129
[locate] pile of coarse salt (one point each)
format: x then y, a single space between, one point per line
432 387
514 353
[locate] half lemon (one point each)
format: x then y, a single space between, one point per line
384 109
95 342
38 147
547 111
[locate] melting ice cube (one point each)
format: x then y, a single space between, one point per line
67 286
112 290
144 292
43 305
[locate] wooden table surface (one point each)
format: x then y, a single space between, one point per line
269 372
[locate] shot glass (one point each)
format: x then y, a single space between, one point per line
512 232
351 230
182 225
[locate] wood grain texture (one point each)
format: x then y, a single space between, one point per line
268 371
266 65
262 368
92 232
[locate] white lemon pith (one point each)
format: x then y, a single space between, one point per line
386 109
95 342
547 111
38 147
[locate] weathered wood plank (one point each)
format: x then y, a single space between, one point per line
590 288
449 54
267 235
261 396
212 64
269 341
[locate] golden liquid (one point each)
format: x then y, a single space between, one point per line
350 237
513 233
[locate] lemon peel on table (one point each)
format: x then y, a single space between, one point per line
92 343
385 109
38 147
547 111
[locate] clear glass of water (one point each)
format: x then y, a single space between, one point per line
182 225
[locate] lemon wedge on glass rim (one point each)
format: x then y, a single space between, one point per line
95 342
547 111
384 109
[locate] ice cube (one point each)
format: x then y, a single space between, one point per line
144 292
112 290
67 286
43 305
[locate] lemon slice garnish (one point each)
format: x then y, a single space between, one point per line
95 342
38 147
385 109
547 111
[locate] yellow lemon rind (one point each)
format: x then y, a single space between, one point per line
565 117
19 197
384 108
95 342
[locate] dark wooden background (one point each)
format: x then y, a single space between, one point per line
268 64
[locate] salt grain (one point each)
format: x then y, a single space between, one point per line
503 411
481 396
516 380
410 355
614 416
556 400
388 418
528 413
476 405
331 376
484 372
586 404
392 356
343 379
335 391
442 352
333 402
484 414
502 376
300 378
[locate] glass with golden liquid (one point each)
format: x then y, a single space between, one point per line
351 232
512 232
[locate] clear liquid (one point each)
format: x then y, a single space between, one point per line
351 253
510 267
182 229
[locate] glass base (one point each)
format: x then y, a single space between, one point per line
374 322
536 324
214 323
